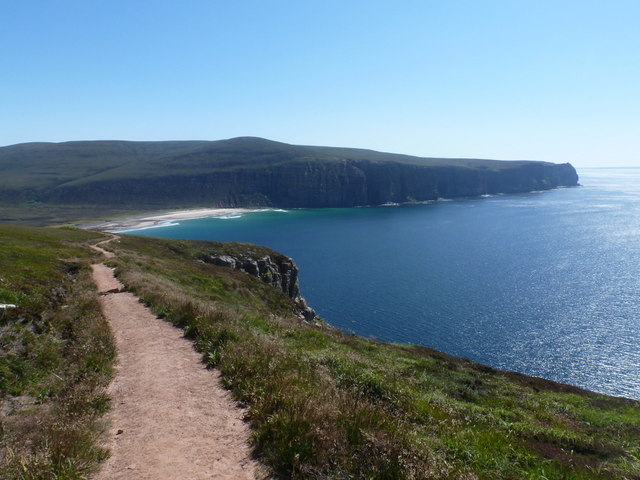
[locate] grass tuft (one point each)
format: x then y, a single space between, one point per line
56 358
323 404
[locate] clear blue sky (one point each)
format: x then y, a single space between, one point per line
555 80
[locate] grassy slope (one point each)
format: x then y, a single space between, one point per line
328 405
30 171
56 355
322 404
257 153
41 214
36 166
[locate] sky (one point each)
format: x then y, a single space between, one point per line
553 80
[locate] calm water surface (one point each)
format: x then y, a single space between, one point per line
547 284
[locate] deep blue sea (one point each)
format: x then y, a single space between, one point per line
547 284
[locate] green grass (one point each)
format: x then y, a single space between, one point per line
49 183
323 404
56 356
36 166
46 214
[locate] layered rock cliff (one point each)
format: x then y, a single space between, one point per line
254 172
276 270
315 184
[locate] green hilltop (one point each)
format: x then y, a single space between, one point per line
322 404
42 165
74 180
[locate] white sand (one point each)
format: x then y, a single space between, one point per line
150 221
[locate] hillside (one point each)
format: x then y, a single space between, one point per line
321 404
74 178
56 355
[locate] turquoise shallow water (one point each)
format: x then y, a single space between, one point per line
547 284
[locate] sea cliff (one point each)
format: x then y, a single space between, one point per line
314 184
274 269
248 171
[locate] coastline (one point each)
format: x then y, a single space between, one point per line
166 218
140 222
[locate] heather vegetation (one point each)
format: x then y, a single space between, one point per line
323 404
56 356
47 183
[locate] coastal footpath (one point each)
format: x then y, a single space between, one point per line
315 403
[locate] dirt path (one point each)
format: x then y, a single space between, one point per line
171 419
101 250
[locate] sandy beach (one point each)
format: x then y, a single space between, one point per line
150 221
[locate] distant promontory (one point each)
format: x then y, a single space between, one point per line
249 171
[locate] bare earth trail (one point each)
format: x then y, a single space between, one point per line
171 418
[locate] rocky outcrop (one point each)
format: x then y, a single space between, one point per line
278 271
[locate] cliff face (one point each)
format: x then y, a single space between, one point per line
312 184
252 172
278 271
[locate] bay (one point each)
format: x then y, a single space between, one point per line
547 284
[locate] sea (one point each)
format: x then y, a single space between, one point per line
543 283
